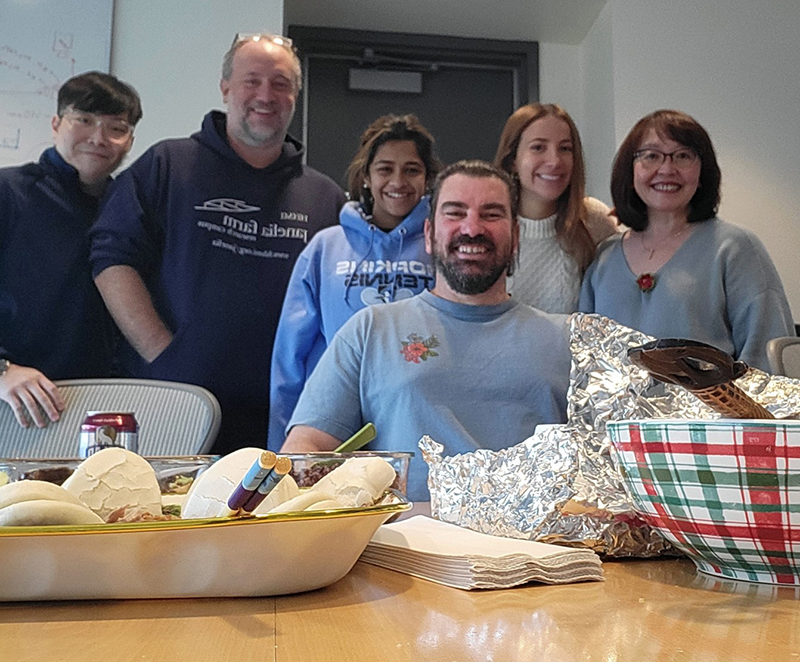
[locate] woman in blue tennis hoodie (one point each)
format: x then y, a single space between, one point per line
375 256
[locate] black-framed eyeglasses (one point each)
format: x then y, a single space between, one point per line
651 159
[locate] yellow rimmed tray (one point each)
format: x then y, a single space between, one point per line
225 557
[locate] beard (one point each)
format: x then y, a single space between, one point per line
258 136
469 278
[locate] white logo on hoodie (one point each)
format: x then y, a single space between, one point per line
226 205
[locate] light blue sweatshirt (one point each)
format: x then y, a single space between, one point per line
342 270
470 376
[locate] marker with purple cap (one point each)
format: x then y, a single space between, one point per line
283 465
252 479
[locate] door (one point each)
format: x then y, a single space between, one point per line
467 90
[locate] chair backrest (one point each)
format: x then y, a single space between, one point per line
783 355
174 418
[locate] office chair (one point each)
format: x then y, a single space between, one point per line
783 355
174 418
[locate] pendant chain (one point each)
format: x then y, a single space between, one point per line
651 251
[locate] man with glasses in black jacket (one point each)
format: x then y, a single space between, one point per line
53 324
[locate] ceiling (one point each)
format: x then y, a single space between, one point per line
550 21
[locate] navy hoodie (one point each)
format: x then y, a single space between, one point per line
52 317
214 240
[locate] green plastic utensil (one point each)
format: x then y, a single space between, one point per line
359 439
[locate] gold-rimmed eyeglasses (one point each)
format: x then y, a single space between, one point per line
114 129
651 159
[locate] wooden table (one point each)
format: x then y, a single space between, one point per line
645 610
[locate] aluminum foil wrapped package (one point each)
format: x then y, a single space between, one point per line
561 484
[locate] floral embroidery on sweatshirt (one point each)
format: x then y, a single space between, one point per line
417 348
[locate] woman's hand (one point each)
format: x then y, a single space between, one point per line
31 395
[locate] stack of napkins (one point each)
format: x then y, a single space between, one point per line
457 557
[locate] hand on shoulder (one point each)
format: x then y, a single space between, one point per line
600 220
31 395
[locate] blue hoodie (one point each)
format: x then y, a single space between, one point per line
214 240
341 271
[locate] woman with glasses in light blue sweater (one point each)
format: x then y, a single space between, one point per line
681 272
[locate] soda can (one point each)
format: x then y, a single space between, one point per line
105 429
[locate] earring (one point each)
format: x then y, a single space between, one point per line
366 199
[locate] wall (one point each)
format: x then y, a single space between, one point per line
598 134
581 80
734 67
562 21
171 52
574 78
561 78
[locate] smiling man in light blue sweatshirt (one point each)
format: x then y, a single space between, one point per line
463 363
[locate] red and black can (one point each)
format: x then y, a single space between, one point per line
105 429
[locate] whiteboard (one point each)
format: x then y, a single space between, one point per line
42 44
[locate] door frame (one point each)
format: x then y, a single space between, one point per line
521 57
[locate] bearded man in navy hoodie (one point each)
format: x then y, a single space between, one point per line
53 324
194 248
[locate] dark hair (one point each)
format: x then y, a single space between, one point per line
96 92
388 128
477 169
683 129
571 218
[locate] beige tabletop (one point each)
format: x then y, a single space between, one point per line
645 610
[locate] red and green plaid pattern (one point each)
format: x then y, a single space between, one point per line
725 492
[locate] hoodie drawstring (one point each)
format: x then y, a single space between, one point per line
372 230
402 233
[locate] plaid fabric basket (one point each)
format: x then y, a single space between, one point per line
726 492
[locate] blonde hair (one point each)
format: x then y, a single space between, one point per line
572 217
